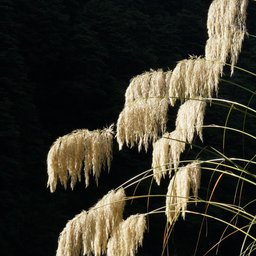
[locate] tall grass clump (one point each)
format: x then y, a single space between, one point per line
191 86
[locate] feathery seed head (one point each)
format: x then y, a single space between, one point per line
177 146
193 78
161 158
127 237
166 153
167 150
147 85
185 179
190 119
91 149
144 116
88 232
142 122
226 29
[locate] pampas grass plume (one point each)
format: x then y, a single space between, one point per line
147 85
185 179
142 122
127 237
226 29
166 154
88 232
190 119
144 116
167 150
194 77
67 155
161 160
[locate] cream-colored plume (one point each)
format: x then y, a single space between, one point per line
161 160
177 146
147 85
167 150
88 232
166 154
193 78
190 119
185 179
142 122
226 29
81 148
144 116
128 236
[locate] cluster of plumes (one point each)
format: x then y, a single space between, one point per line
226 29
144 116
187 178
149 95
127 237
88 233
194 77
102 230
167 150
91 150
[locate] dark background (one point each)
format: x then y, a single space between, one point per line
65 65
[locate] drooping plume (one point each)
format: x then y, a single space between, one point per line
88 232
127 237
226 29
177 146
190 119
69 153
187 178
142 122
167 150
166 154
161 159
193 78
147 85
144 116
